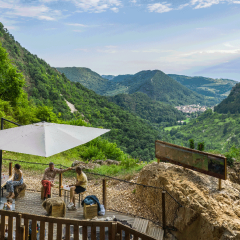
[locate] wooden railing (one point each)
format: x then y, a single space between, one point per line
21 231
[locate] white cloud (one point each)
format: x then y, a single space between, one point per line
81 49
228 45
48 1
97 6
109 49
133 1
76 24
46 18
233 51
183 6
159 7
196 4
114 9
205 3
41 12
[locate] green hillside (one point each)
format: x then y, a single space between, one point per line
218 131
156 84
231 103
217 88
47 87
146 108
108 77
86 77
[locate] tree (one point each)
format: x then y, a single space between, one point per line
191 143
11 81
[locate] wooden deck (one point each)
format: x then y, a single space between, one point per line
31 203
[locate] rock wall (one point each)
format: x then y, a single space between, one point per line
207 213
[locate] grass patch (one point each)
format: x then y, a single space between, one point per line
187 120
170 128
66 159
118 170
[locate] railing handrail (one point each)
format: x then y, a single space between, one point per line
113 227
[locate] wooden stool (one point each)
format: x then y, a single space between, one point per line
19 191
66 194
42 192
90 211
55 207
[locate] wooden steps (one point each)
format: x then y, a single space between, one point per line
142 225
156 232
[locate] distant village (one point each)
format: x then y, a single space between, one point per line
193 108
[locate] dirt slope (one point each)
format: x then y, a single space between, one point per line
206 213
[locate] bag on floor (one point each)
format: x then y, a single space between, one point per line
102 211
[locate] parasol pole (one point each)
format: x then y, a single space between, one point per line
3 119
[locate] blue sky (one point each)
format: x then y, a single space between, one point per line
191 37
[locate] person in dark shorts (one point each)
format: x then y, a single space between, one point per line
80 186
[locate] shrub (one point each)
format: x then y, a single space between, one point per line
191 143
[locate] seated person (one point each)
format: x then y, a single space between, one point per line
48 178
17 180
8 205
80 186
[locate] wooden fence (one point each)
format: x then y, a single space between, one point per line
115 230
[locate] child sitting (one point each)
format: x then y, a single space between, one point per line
8 205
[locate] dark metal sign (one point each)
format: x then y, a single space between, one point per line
203 162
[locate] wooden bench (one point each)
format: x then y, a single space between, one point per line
66 194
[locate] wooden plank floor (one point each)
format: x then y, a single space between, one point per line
31 203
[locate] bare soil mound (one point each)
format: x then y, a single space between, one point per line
207 213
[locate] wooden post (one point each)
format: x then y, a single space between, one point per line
163 210
158 160
18 226
114 231
219 184
60 184
10 169
104 193
22 236
117 236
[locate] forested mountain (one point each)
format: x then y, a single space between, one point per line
231 103
156 84
143 106
108 77
86 77
47 87
217 88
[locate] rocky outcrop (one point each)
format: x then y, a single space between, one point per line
107 162
84 165
94 164
234 173
207 213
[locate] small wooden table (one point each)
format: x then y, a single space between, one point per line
4 181
66 193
